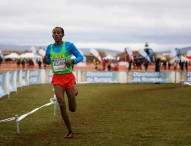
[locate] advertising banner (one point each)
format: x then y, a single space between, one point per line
99 77
25 77
2 85
48 76
34 77
19 78
187 76
13 81
150 77
4 80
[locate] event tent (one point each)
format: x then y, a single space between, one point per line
12 56
109 57
30 55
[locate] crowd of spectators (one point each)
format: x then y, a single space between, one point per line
106 65
23 62
159 65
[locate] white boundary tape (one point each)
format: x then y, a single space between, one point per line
187 83
17 119
52 100
7 120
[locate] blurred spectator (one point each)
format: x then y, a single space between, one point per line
146 64
164 65
175 65
39 63
186 65
130 64
104 62
96 63
157 65
109 66
18 62
117 67
169 65
23 62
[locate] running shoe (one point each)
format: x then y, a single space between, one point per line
70 135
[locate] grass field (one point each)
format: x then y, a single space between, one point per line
107 115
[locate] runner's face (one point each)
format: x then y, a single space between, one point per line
57 34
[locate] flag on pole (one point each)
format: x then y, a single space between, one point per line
144 54
176 53
130 52
42 52
96 54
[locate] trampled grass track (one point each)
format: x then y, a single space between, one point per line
107 114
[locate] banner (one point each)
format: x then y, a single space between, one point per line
176 54
144 54
25 77
19 78
188 77
42 52
12 81
130 53
96 54
149 77
48 76
4 87
34 77
99 77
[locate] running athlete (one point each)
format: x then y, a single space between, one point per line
63 80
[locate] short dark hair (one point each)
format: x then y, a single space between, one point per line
60 28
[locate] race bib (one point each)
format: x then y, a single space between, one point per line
59 64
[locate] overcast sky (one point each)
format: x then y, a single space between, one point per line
112 24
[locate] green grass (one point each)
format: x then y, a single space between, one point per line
107 115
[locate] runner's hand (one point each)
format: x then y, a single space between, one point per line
69 62
45 59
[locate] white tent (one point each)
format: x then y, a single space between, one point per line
30 55
12 56
109 57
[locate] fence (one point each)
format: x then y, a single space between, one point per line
19 118
11 80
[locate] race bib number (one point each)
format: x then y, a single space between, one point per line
59 64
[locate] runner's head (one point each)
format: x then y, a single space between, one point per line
58 34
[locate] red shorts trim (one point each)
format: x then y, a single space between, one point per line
65 80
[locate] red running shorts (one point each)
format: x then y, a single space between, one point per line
65 80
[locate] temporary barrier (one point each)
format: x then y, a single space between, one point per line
10 81
19 118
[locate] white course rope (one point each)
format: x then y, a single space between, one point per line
187 83
7 120
52 101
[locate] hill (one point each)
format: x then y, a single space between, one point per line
17 48
185 49
86 51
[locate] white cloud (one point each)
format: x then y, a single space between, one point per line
97 22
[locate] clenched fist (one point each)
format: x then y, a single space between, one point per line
69 63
